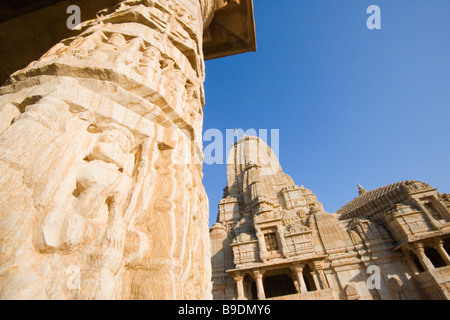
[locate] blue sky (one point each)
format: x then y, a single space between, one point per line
353 105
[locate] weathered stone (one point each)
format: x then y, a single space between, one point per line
100 159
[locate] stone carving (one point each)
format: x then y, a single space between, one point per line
101 186
290 217
101 194
243 237
149 64
351 292
296 228
396 287
267 216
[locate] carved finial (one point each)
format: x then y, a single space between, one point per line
361 190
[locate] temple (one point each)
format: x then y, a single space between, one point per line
273 239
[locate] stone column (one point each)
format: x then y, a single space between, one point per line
101 161
318 267
298 270
282 240
424 261
316 280
261 245
440 248
240 287
258 275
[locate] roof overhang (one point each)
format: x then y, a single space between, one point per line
28 28
232 30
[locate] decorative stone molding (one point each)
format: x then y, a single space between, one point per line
351 292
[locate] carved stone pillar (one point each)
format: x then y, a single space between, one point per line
424 261
318 267
298 270
258 275
440 248
281 238
240 287
261 245
316 280
101 161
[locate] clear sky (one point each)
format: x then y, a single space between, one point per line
353 105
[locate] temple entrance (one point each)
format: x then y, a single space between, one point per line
434 257
279 285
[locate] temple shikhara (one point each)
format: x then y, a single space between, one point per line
273 239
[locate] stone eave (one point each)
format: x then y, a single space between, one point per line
424 236
39 24
232 30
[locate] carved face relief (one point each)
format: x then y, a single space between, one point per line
113 146
104 174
